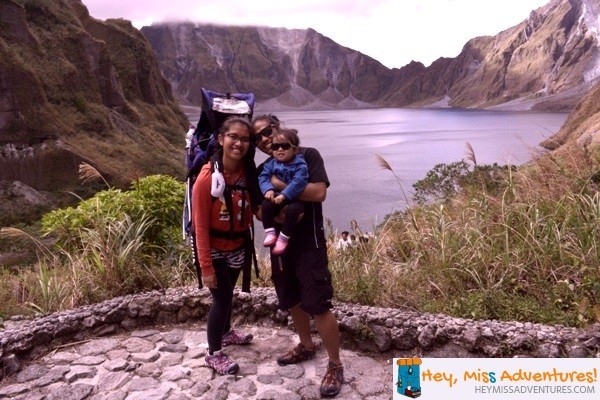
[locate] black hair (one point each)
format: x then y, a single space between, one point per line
290 135
235 120
270 118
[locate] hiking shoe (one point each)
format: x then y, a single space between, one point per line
280 245
270 238
332 381
296 355
235 337
221 363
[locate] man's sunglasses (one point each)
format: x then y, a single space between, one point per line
266 132
282 146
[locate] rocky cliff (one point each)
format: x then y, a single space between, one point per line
582 126
292 67
74 89
547 62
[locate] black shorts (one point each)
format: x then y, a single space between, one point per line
303 278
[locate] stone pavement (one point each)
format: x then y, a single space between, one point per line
167 363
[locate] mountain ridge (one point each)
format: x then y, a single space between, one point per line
548 62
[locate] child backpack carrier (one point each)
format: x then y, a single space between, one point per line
215 109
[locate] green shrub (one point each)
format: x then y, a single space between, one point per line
444 181
157 197
115 243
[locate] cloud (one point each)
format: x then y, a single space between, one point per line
393 32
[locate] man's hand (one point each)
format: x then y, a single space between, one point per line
316 191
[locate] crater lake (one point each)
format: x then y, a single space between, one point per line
412 141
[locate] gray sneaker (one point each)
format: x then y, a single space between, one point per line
221 363
235 337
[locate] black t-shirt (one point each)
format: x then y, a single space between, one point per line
309 233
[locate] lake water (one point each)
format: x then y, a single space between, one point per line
412 141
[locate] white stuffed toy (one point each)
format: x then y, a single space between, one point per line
217 183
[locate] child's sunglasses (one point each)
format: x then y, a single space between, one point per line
282 146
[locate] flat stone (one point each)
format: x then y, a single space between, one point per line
13 390
144 333
112 381
196 353
89 360
140 384
199 389
270 379
72 392
145 357
173 348
245 387
296 384
152 394
115 365
173 337
293 371
79 372
98 347
32 372
118 395
138 345
119 353
56 374
30 396
175 373
62 358
371 388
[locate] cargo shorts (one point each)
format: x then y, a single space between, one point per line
303 278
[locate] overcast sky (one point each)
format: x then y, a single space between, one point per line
393 32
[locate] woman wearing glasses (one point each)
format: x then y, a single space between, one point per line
224 199
301 275
290 167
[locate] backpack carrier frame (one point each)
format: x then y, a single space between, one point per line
215 109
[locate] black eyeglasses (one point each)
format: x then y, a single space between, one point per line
282 146
236 138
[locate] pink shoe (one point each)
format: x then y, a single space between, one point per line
280 245
236 337
270 238
221 363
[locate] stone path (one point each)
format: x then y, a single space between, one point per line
167 363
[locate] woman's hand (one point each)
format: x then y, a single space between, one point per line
210 281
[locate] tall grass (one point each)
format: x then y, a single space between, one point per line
526 248
529 253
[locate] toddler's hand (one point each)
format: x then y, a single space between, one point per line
269 195
279 199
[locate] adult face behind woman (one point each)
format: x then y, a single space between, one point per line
265 127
